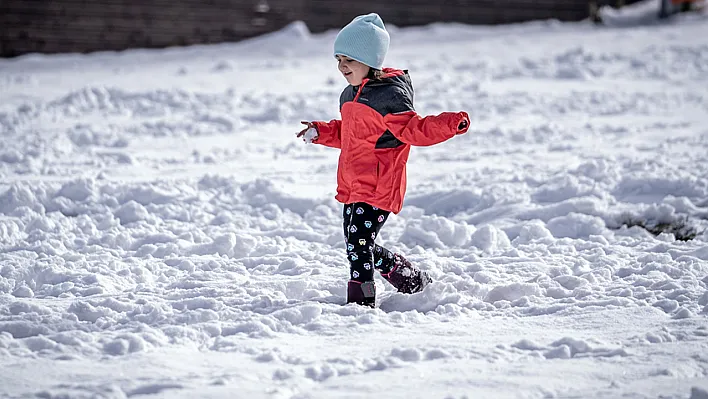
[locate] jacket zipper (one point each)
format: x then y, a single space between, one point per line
358 93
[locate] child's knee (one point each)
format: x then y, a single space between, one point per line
360 255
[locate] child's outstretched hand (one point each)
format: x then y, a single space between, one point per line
464 124
308 134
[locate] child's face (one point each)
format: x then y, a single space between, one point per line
354 71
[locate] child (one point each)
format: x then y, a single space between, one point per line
375 135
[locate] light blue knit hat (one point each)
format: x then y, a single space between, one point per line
364 39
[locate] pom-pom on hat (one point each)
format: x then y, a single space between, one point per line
365 39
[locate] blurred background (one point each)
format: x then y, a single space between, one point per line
59 26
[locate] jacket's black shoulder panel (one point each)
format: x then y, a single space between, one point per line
347 95
386 96
389 95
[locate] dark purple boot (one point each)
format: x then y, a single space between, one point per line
405 277
362 293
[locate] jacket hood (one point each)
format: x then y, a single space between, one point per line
396 77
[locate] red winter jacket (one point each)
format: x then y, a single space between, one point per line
375 134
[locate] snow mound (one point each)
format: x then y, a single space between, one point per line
490 239
576 226
436 232
532 231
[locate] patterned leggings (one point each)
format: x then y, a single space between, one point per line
362 223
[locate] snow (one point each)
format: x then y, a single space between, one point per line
163 232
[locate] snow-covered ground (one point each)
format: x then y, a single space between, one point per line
163 233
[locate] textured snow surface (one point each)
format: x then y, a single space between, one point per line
164 234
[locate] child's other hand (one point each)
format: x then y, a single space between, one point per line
464 124
308 134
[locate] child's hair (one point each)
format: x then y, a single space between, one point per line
375 74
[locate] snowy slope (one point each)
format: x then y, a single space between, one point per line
163 233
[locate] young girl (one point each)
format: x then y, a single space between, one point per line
375 134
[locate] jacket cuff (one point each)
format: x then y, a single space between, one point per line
463 117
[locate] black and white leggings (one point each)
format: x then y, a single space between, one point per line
362 223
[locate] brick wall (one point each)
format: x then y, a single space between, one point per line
52 26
